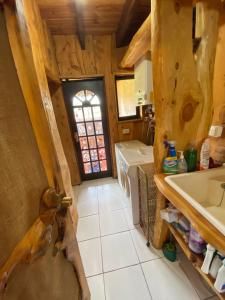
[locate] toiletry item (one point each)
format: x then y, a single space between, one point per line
170 163
182 164
204 155
170 215
184 223
196 242
220 279
216 264
208 259
191 158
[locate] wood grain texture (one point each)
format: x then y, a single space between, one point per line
219 74
65 134
54 83
207 231
19 156
128 13
179 99
94 16
24 28
23 180
209 13
100 58
139 45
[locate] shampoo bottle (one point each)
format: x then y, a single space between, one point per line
208 259
220 279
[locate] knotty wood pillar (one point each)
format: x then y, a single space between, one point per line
182 80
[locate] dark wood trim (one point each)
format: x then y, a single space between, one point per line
80 25
129 10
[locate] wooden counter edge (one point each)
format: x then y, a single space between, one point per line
199 222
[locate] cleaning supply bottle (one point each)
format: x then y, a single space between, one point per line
208 259
170 163
205 155
171 150
182 165
220 279
191 158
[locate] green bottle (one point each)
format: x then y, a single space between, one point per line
191 159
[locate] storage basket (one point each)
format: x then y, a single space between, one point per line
147 199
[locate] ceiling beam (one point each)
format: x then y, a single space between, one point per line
80 24
139 45
129 10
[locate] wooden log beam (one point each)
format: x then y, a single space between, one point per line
80 23
129 10
207 28
183 110
139 45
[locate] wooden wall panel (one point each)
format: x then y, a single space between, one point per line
219 75
100 58
65 134
54 83
217 145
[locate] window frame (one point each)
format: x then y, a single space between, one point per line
137 116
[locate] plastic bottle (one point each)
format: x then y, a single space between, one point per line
204 155
208 259
170 163
196 242
191 158
216 264
220 279
182 165
172 151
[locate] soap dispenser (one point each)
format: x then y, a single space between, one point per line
182 164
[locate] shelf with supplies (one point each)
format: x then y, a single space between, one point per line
195 259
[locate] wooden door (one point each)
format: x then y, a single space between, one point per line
85 101
23 180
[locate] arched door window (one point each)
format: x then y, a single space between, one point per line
90 134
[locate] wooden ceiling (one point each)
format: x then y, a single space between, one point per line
94 16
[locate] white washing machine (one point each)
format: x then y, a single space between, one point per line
129 155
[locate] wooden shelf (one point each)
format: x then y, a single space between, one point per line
190 255
196 260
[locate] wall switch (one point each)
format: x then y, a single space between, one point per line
126 131
216 130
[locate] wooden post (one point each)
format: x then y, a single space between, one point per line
182 82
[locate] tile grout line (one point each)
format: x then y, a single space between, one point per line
101 244
141 266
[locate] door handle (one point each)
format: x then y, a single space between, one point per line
54 200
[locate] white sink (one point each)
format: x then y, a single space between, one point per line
204 192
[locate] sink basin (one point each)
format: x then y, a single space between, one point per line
204 192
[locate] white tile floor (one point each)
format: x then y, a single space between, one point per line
117 263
